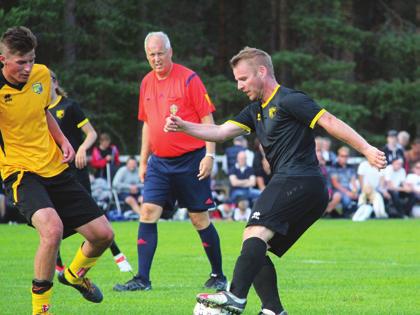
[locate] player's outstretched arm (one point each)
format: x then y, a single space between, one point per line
206 132
345 133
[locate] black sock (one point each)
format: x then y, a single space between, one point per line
59 262
41 286
146 247
265 284
211 243
114 249
248 266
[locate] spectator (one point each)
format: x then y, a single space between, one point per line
394 177
239 144
242 180
403 138
392 149
242 211
370 200
334 196
105 153
127 183
413 155
412 186
329 156
343 179
226 211
261 167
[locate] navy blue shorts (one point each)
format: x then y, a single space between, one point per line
175 179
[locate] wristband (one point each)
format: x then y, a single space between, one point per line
212 155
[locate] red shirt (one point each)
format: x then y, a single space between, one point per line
182 88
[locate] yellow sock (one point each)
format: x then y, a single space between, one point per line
41 302
79 267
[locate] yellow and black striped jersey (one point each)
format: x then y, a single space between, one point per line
25 141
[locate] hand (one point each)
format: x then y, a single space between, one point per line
68 152
375 157
206 165
173 124
108 158
81 160
142 171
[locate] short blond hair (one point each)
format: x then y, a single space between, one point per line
255 57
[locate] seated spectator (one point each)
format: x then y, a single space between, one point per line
261 167
370 200
413 155
103 155
239 144
392 150
392 186
328 155
242 211
343 179
127 184
403 139
225 211
242 180
335 197
412 187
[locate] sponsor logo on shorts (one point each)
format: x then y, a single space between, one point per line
256 215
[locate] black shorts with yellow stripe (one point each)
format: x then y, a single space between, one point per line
30 192
288 206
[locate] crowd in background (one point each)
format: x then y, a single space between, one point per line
357 190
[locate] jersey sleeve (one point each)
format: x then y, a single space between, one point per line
244 120
79 117
198 96
142 113
303 108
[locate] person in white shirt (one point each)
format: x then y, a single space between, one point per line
412 187
370 200
392 184
242 212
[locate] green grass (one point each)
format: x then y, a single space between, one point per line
338 267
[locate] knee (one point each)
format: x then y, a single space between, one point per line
107 237
149 214
52 234
200 221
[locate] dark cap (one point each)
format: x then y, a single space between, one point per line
392 133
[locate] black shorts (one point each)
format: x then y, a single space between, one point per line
289 206
30 192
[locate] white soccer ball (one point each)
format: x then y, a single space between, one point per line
201 309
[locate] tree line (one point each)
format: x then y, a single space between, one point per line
359 59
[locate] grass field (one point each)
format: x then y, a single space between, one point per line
338 267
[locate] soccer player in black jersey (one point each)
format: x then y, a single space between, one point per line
79 131
283 120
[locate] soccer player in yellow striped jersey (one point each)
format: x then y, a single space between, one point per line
33 160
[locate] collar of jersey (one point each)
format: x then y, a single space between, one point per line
57 100
271 97
3 81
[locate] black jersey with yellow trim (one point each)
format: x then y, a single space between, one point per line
70 118
284 125
26 143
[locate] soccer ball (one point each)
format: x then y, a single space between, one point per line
201 309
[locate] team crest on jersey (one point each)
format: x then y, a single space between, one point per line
60 113
37 88
7 98
272 112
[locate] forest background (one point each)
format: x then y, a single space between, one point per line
357 58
